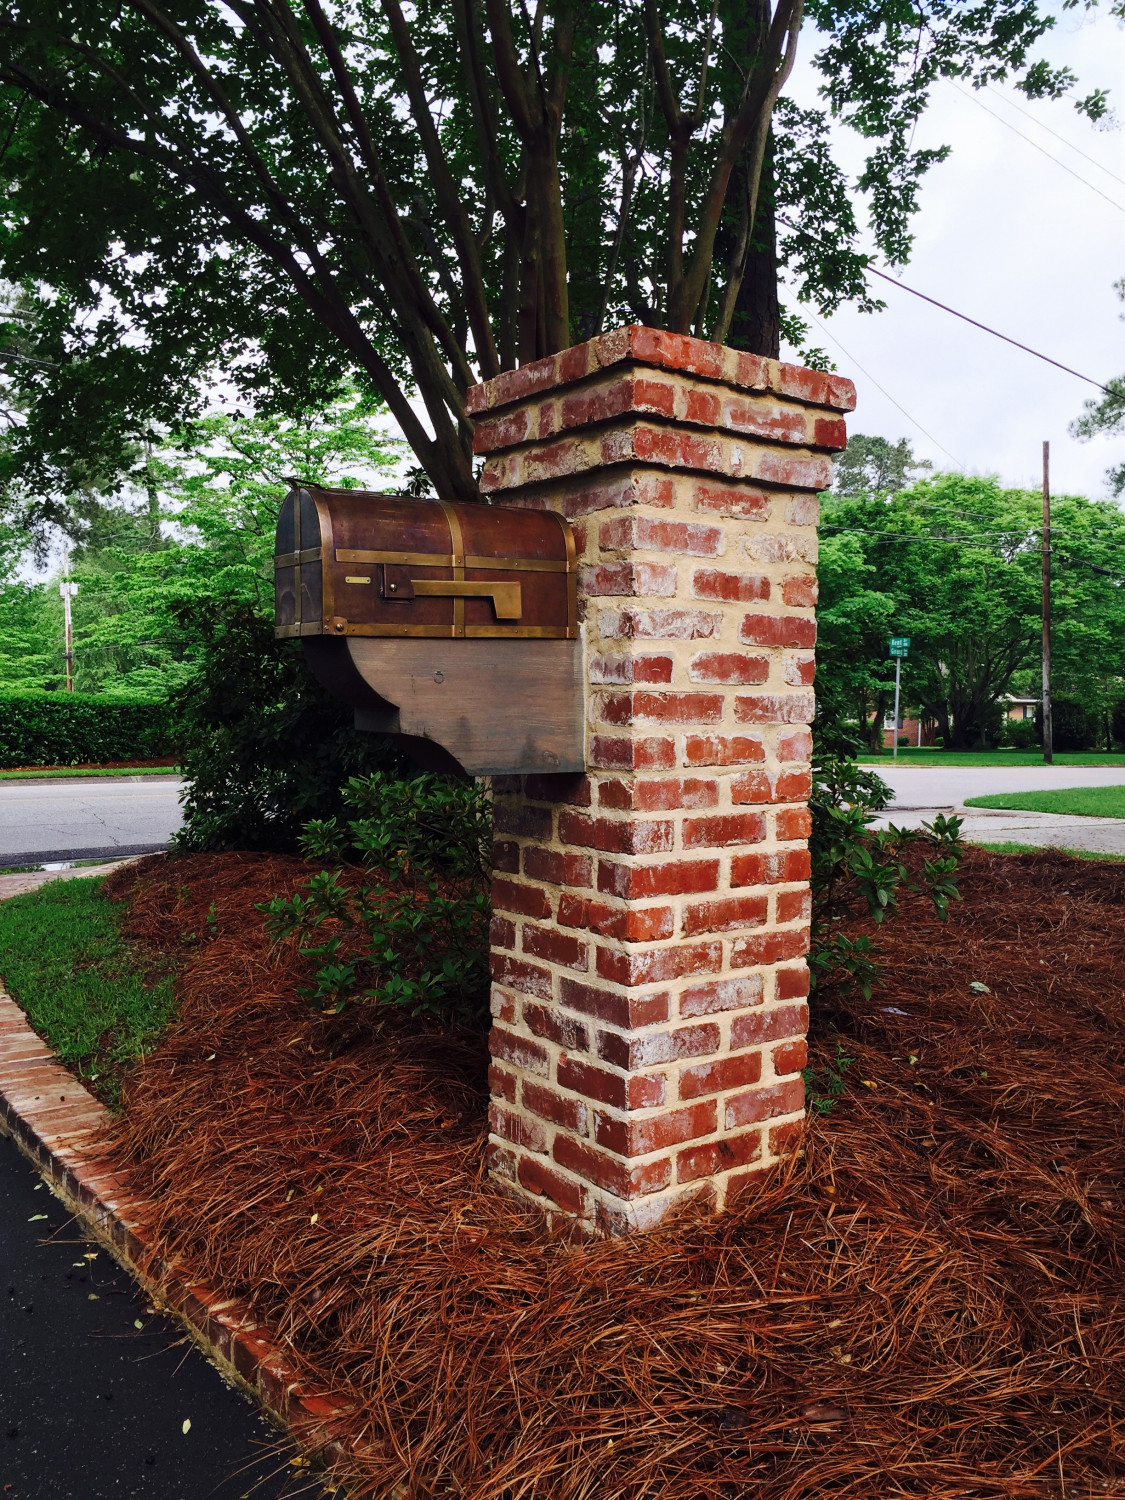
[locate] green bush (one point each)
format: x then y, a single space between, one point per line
415 933
1074 726
1020 734
263 747
1117 724
76 729
858 871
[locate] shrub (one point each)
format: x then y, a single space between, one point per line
414 933
264 748
859 871
76 729
1020 734
1074 726
1117 724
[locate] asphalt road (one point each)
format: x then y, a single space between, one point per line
96 1389
922 791
47 821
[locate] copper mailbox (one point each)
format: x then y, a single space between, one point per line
452 627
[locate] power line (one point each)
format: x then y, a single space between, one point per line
894 281
913 420
1044 126
1041 149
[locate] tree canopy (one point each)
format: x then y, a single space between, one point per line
288 194
954 563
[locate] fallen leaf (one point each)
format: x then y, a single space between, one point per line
36 1216
137 1323
869 1083
314 1218
187 1426
912 1059
92 1297
980 987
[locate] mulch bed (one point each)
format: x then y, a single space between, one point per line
930 1303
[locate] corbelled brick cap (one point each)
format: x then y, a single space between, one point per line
651 918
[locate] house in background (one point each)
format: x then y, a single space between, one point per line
1019 708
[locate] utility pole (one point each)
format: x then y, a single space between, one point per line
1048 737
67 589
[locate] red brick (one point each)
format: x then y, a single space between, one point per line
629 924
561 786
659 964
725 916
620 671
658 1046
505 856
703 407
659 624
502 933
774 708
792 786
501 1082
658 1132
794 823
785 1139
722 749
720 1076
805 509
724 828
769 948
541 1180
654 754
722 994
514 1127
794 744
502 1006
794 906
605 1172
520 1051
635 579
555 947
751 786
671 708
680 877
799 671
770 869
659 796
543 1101
637 1091
718 1156
558 869
777 630
636 533
525 900
547 1021
616 836
799 591
527 979
711 583
521 819
729 667
779 1023
733 500
792 982
764 1103
626 1011
830 432
790 1057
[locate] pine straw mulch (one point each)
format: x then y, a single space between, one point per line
930 1305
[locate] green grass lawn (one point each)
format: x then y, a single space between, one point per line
1009 848
94 771
97 1001
1074 801
992 758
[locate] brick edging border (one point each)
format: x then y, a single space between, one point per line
55 1122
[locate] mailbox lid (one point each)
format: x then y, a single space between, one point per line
355 562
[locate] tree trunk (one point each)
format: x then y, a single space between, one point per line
756 325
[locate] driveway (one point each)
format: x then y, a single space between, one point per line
922 791
103 817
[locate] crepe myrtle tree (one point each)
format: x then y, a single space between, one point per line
419 194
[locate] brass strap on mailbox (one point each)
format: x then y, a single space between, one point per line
457 548
505 597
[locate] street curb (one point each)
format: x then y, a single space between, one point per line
56 1123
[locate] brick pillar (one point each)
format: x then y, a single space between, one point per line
651 917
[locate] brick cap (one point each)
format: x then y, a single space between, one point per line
636 344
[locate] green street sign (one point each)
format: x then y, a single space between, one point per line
900 645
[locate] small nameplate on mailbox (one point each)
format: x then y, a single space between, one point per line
432 568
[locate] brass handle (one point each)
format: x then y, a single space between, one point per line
505 596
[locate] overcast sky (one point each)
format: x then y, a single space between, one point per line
1012 239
